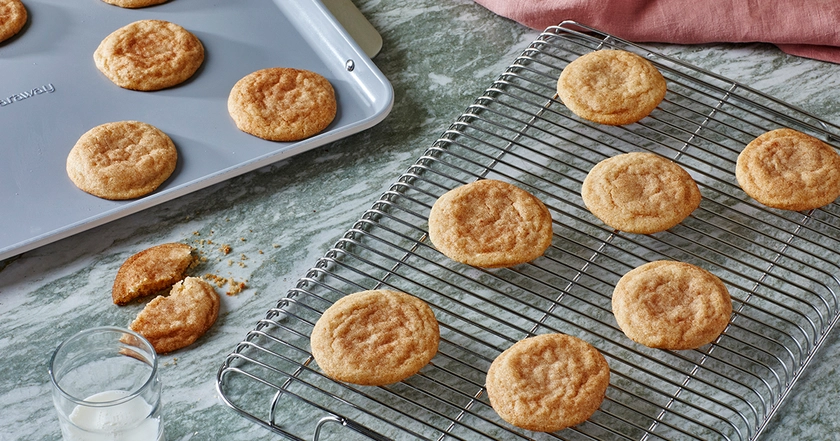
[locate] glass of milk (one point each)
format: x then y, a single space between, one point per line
105 386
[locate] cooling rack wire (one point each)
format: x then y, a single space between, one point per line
780 267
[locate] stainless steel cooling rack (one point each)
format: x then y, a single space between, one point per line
781 269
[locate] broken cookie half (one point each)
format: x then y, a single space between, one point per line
175 321
151 271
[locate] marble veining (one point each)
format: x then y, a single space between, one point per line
439 55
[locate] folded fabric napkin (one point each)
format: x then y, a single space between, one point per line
807 28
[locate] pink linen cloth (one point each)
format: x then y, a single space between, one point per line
807 28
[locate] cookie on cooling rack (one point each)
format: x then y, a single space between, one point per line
121 160
134 3
613 87
640 192
12 18
375 337
548 382
790 170
282 104
176 321
490 224
671 305
151 271
149 55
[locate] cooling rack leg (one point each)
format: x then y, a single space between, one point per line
348 424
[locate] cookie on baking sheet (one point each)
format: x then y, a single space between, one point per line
121 160
640 192
375 337
671 305
12 18
612 87
131 4
175 321
151 271
548 382
790 170
282 104
149 55
490 224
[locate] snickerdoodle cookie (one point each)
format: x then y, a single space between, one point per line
134 3
640 192
12 18
375 337
790 170
612 87
151 270
149 55
671 305
548 382
175 321
121 160
490 224
282 104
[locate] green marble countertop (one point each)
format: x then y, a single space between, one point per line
439 55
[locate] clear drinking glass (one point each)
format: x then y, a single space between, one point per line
105 386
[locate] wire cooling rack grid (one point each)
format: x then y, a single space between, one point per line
781 269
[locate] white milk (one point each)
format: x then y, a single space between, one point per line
129 421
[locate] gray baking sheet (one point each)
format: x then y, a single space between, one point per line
51 93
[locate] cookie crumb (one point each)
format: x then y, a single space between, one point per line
234 287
